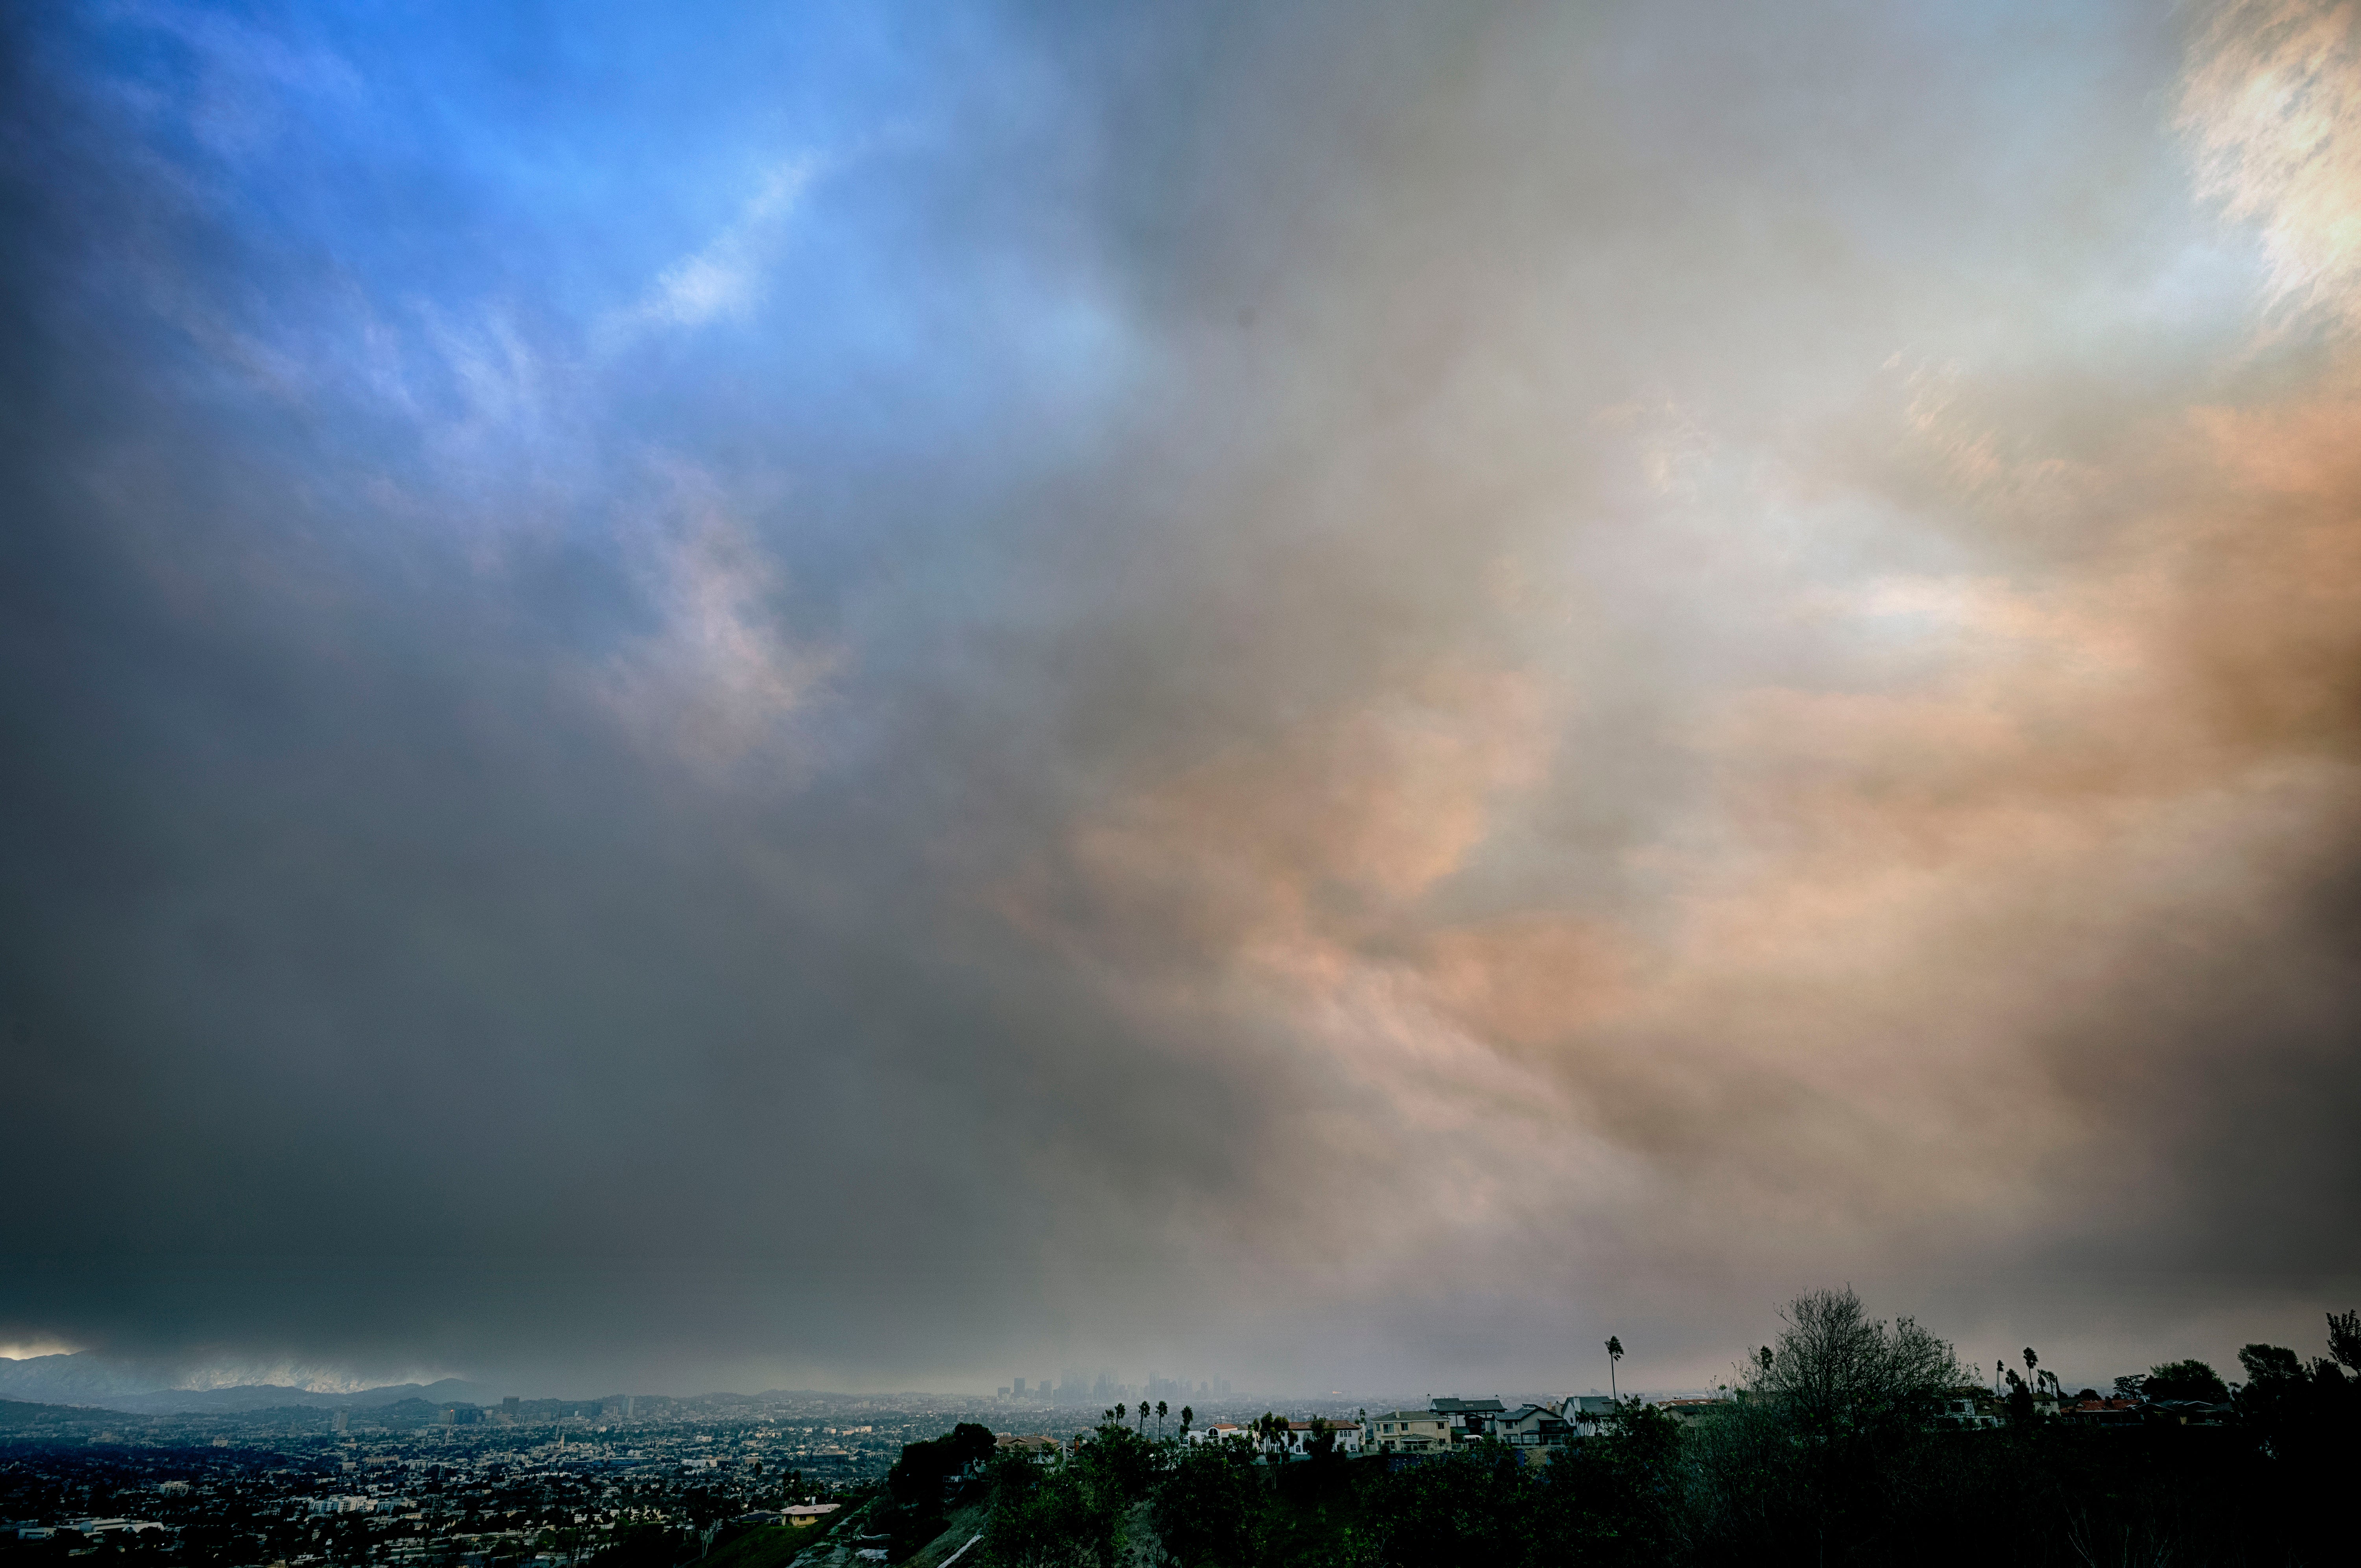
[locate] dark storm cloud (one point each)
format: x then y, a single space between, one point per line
855 703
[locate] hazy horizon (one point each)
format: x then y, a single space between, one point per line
987 1399
881 696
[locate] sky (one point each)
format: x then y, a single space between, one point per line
881 697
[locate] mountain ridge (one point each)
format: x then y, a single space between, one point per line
84 1380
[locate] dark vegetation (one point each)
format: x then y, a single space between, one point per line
1835 1454
925 1482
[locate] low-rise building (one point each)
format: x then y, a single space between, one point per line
1587 1415
1970 1408
2190 1412
343 1505
1469 1419
1301 1435
1532 1426
1410 1432
1219 1432
2096 1411
1687 1412
1035 1445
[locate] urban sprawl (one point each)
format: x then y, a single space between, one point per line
1190 1474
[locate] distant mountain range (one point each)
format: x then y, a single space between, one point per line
87 1380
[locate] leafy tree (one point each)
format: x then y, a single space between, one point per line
1474 1507
1209 1512
1122 1463
1838 1413
2268 1364
1610 1501
913 1487
2185 1381
2307 1420
1054 1515
919 1474
2344 1340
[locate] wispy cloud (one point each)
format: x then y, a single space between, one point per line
725 279
2272 100
723 676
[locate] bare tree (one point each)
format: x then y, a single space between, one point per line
1835 1370
1833 1406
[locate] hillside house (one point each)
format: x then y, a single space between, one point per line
1968 1409
1301 1435
2095 1411
1219 1432
1532 1426
1586 1415
1688 1412
1410 1432
1469 1419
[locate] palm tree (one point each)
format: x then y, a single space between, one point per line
1118 1412
1187 1416
1159 1418
1614 1354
